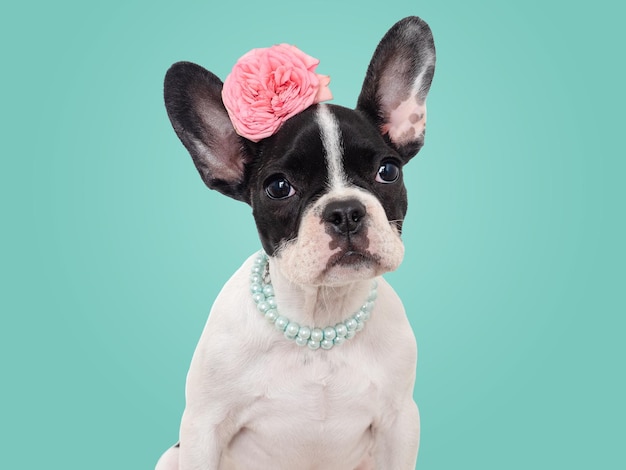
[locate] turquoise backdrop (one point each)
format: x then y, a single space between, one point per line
112 249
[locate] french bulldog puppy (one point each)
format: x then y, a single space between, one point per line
307 360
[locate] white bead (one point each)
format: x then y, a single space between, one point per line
373 295
258 297
351 324
257 269
341 330
317 335
268 290
255 287
313 344
330 333
271 315
271 301
350 334
368 306
326 344
281 323
339 340
359 326
358 316
301 341
292 330
304 332
255 278
263 307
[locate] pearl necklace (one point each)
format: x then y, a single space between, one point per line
315 338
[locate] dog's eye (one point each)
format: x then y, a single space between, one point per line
388 172
279 188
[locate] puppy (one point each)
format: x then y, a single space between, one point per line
307 360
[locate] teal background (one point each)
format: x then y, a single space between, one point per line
112 249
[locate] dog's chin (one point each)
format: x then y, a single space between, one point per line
351 265
354 259
310 265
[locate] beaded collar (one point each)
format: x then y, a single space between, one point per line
315 338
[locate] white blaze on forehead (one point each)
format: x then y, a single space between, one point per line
331 141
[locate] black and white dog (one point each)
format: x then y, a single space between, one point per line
327 382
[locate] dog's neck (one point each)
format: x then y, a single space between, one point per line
317 306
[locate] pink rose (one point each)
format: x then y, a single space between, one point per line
268 86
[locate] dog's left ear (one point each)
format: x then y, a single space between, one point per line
394 92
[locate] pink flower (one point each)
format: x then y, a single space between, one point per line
268 86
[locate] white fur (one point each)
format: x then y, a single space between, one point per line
331 140
256 400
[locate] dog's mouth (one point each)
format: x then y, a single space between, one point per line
352 258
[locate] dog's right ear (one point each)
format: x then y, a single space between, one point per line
193 99
397 82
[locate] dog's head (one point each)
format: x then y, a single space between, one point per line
326 189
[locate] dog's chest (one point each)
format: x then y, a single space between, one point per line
310 407
283 406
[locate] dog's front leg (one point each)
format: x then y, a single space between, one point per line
203 440
397 439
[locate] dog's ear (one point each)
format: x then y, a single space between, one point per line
193 99
396 84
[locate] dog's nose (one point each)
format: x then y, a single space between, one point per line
344 217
